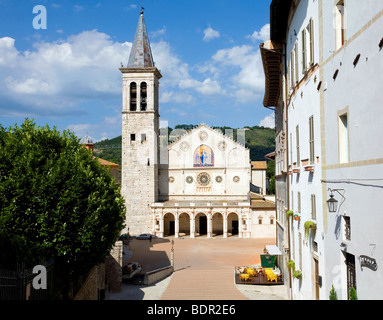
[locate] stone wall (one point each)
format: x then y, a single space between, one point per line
95 285
113 271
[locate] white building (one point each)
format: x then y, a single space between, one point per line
328 109
198 185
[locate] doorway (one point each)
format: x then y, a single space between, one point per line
172 228
234 227
316 279
351 273
203 225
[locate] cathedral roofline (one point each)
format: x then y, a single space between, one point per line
202 125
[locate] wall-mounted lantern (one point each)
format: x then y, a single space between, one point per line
332 204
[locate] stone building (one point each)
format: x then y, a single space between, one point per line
199 184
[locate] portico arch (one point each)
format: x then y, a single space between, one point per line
201 224
217 223
233 224
169 224
184 224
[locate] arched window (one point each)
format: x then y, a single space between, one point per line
203 157
133 96
144 96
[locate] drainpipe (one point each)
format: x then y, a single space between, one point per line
287 162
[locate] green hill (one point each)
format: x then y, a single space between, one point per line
259 140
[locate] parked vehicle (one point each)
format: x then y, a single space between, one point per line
143 236
131 270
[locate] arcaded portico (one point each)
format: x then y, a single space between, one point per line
180 219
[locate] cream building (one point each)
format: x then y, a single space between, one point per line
199 184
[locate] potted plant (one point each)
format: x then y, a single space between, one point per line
289 214
309 225
291 265
297 274
333 295
296 217
352 294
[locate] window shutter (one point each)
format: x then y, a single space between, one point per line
296 63
311 41
304 52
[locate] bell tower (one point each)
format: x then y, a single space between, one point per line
140 128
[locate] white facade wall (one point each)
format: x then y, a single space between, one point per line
356 92
333 86
231 167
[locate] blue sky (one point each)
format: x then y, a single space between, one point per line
67 75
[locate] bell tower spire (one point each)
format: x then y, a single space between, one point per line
140 128
141 54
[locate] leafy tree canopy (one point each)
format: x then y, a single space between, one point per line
55 200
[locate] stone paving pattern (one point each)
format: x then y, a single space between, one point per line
203 270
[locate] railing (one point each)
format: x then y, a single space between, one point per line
18 284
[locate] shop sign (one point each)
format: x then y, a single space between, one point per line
368 262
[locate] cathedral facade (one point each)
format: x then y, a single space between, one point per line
199 185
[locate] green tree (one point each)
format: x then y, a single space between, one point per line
56 201
270 174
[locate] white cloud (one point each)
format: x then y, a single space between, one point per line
246 81
262 35
206 87
59 75
82 130
268 122
157 33
210 34
175 97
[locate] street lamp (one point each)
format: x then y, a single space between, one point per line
332 204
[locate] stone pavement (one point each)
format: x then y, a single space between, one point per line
203 270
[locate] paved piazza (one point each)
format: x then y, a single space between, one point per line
203 270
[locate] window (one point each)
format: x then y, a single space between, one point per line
132 137
292 72
340 24
296 63
347 228
311 140
291 148
143 96
288 80
311 33
143 137
313 207
308 47
343 139
292 200
294 66
259 220
133 96
271 221
297 141
299 202
304 51
300 249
